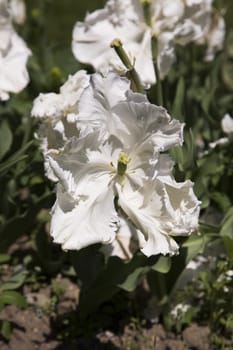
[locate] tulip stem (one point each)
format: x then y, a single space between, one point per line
136 85
146 4
159 91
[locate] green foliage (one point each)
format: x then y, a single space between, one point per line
5 330
5 138
15 158
4 258
227 233
12 297
101 280
9 295
15 281
216 305
207 298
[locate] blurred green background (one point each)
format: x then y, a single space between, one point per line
61 15
59 18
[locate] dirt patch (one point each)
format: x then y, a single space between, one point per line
37 328
50 322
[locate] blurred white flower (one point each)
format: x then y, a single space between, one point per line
115 187
229 274
13 56
220 142
18 11
196 263
179 310
227 127
176 22
215 37
92 39
227 124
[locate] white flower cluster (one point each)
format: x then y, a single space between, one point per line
134 22
106 147
13 51
179 310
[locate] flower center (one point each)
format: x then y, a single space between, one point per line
122 161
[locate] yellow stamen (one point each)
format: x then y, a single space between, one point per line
123 160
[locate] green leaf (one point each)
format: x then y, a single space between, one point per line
5 138
227 73
164 284
15 158
163 264
184 156
178 154
228 243
196 244
12 298
227 232
4 167
210 165
88 272
4 258
178 103
221 199
15 281
19 104
101 279
6 329
227 224
51 263
21 224
132 280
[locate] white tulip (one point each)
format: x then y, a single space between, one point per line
176 22
18 11
14 55
115 187
79 108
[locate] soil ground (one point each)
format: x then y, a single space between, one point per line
50 320
43 326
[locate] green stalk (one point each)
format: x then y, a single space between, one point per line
146 4
159 91
116 44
